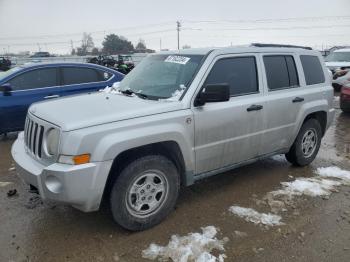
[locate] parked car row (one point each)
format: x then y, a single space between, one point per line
339 64
21 86
123 64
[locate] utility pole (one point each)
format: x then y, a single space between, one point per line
71 46
178 26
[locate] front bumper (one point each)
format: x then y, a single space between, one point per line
81 186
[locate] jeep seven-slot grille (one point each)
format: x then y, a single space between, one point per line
33 137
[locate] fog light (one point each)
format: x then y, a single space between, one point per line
53 184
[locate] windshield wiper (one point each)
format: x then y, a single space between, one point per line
130 92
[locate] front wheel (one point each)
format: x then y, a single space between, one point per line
145 192
306 145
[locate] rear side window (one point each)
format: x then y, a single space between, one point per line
239 73
312 69
281 72
37 78
76 75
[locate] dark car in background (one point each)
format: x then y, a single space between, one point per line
21 86
5 63
41 54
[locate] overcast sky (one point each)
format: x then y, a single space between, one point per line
51 25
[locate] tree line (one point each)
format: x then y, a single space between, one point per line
111 45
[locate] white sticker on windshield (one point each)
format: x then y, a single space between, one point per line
177 59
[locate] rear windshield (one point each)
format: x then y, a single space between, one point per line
5 74
162 76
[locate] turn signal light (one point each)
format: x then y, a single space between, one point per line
74 160
81 159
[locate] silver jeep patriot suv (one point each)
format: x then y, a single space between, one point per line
176 118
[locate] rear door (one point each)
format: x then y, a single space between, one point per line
284 100
76 80
28 87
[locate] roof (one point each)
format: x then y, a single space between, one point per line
342 50
238 49
81 64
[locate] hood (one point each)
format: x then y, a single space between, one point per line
82 111
334 65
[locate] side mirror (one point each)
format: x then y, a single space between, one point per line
6 89
213 93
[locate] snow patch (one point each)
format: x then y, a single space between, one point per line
114 89
251 215
193 247
176 95
279 158
3 184
334 172
12 168
306 186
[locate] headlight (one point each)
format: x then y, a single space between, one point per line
52 140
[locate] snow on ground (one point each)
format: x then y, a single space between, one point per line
255 217
334 172
193 247
307 186
12 168
3 184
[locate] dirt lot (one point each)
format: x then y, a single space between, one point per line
316 228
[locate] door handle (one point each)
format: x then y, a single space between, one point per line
298 99
51 96
254 108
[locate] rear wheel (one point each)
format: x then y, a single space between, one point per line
306 145
145 192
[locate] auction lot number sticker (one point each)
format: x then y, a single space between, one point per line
177 59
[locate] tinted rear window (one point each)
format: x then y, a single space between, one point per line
312 69
238 72
76 75
281 72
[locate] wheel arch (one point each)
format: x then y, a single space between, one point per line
169 149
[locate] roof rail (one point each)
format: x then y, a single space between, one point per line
278 45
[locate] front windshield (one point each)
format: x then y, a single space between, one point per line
162 76
338 57
8 72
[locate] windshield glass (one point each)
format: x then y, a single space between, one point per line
8 72
338 57
162 76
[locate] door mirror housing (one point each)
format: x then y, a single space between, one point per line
213 93
6 89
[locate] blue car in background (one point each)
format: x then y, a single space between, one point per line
21 86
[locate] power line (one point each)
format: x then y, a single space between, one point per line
277 28
92 32
290 19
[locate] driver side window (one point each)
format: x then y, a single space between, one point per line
240 73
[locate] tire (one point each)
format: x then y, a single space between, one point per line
300 155
145 192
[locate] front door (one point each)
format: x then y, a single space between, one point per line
230 132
